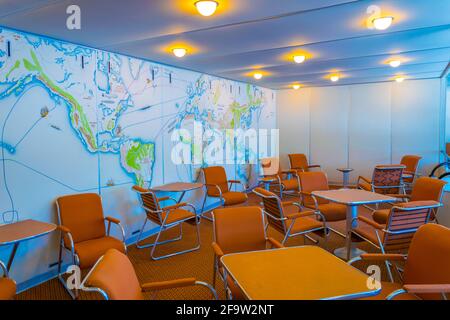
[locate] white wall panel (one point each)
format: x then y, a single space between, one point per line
329 129
415 116
293 122
369 128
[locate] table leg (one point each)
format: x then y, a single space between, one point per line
346 179
181 196
11 257
350 251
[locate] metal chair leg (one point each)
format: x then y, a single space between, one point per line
139 246
202 214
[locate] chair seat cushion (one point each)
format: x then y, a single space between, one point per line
387 288
231 198
289 185
7 289
304 224
332 211
381 216
91 250
177 215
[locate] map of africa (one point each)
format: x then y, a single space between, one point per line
76 119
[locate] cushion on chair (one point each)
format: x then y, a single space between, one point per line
231 198
177 215
381 216
332 211
289 185
304 224
91 250
7 289
387 288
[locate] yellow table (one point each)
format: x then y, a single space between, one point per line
301 273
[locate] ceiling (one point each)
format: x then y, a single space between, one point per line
263 35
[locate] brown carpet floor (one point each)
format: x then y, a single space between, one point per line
198 264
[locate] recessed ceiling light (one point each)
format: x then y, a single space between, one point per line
334 78
299 59
382 23
179 52
206 7
395 63
399 79
296 86
258 76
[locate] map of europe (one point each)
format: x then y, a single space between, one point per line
76 119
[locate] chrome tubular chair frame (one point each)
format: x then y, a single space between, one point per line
166 226
106 297
75 259
284 219
316 208
222 200
380 244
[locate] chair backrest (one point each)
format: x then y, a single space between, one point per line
404 220
273 207
299 161
429 258
270 166
428 189
114 275
411 163
217 176
239 229
83 215
313 181
149 202
388 178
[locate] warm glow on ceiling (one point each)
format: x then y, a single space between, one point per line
258 75
206 7
179 52
296 86
299 59
334 78
395 63
399 79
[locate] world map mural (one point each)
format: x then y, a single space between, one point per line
75 119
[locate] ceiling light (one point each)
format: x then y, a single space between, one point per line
296 86
395 63
258 76
299 59
206 7
179 52
334 78
400 79
382 23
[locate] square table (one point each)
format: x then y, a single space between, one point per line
15 233
296 273
352 198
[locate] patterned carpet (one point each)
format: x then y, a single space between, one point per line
198 264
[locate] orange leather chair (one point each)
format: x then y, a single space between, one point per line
300 162
411 164
403 221
218 186
114 278
424 189
318 181
426 273
386 179
7 285
285 181
167 218
236 230
294 223
83 231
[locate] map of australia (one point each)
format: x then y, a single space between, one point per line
75 119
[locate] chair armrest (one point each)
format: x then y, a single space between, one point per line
400 196
112 220
4 269
364 179
290 171
303 214
175 206
371 223
163 285
166 198
427 288
314 166
209 185
275 243
217 250
234 181
310 195
231 182
64 229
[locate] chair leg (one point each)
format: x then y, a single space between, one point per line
311 239
139 246
202 215
74 294
163 228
